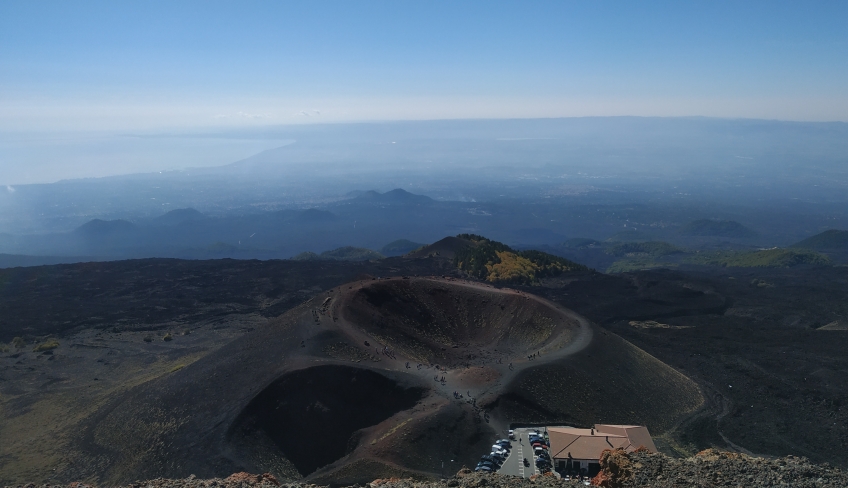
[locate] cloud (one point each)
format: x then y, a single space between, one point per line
10 189
310 113
246 115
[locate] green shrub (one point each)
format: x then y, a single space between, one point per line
48 345
168 337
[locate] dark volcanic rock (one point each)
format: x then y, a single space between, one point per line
708 469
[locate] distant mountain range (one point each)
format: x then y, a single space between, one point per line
828 240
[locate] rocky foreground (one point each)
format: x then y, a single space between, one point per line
709 468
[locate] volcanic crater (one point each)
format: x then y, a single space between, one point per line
382 377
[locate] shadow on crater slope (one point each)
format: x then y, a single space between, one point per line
313 415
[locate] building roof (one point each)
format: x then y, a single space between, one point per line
590 443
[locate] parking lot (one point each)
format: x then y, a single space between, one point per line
514 465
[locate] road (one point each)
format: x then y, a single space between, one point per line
514 464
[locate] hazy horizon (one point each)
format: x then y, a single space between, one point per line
48 157
569 116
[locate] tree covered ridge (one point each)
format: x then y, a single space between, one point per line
496 262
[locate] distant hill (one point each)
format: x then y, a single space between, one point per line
630 235
395 196
347 253
716 228
446 248
400 247
99 227
829 239
179 216
581 243
496 262
21 260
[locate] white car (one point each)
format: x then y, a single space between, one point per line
500 452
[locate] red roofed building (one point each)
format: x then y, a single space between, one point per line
574 450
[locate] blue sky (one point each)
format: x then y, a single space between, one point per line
153 65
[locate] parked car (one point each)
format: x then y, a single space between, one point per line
504 443
511 434
483 468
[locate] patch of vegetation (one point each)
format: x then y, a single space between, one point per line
168 337
18 343
768 258
148 338
4 347
716 228
496 262
347 253
637 264
177 368
650 248
48 345
400 246
829 239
